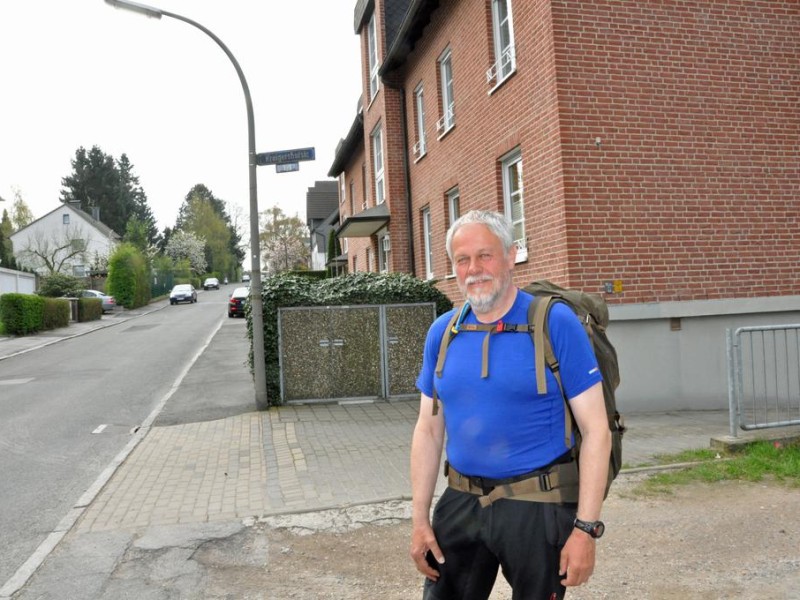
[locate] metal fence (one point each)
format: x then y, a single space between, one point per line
763 377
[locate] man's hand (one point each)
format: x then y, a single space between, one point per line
423 541
577 559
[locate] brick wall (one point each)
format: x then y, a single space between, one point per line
695 177
694 189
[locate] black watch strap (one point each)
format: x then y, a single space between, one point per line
593 528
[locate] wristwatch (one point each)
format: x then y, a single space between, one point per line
593 528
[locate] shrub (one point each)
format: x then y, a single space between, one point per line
21 313
128 277
59 285
56 313
286 290
89 309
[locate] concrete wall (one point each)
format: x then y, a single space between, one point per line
16 282
666 368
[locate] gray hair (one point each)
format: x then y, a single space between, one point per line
497 223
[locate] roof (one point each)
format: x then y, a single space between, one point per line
416 16
348 146
321 200
365 223
99 225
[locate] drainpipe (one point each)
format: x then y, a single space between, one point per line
410 220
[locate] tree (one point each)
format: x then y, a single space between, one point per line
132 194
187 246
205 215
6 247
100 182
283 241
21 215
54 252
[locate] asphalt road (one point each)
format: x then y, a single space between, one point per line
67 410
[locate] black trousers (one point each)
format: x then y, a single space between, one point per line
523 538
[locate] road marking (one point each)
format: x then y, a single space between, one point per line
15 381
100 428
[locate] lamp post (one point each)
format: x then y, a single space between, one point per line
256 303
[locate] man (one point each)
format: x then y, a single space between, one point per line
499 430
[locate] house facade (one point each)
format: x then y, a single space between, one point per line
66 240
322 216
648 154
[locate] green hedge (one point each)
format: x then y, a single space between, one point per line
89 309
288 290
56 313
22 313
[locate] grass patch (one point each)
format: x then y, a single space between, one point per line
756 462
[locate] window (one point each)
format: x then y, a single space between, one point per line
446 92
419 105
384 247
355 264
372 48
78 245
513 200
65 218
341 194
370 261
352 197
503 37
377 153
453 209
428 242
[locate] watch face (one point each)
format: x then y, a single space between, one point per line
598 529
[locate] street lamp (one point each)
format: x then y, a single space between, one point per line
259 364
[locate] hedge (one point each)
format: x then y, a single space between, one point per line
22 313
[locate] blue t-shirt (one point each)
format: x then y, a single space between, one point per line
499 426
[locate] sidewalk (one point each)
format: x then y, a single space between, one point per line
184 485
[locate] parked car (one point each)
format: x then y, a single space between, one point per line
246 278
211 283
109 304
237 302
183 292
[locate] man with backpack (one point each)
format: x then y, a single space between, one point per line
516 498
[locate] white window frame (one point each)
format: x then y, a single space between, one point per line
372 53
377 163
448 119
514 199
453 210
427 236
420 148
505 60
384 247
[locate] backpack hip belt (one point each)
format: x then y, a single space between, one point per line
557 484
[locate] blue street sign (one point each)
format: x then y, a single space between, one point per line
282 157
287 167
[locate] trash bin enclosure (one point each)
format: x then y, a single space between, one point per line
368 351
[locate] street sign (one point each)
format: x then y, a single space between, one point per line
287 167
281 157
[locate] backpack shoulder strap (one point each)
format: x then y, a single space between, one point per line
446 337
544 355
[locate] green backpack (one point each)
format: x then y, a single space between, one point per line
592 311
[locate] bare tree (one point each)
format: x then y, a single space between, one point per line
55 251
283 241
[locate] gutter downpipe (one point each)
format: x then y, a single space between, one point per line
409 196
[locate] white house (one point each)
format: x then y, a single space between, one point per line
66 240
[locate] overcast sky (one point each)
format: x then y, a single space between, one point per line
82 73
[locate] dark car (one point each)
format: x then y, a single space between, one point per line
183 292
237 302
109 304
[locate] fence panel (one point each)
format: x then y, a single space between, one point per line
764 377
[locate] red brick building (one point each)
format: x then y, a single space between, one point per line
646 150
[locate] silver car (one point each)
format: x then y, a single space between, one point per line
109 304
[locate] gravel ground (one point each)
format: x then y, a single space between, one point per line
729 540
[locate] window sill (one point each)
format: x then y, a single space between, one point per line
420 157
446 131
502 81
